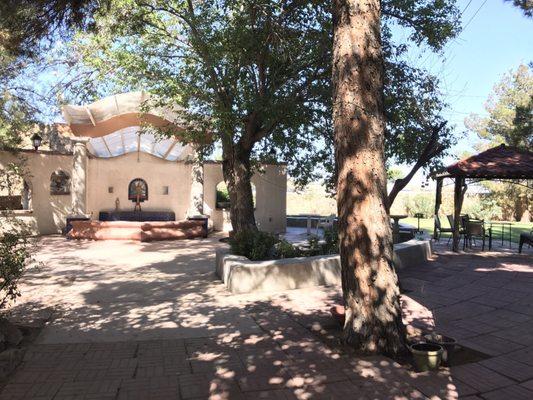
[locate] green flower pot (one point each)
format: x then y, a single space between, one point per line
426 356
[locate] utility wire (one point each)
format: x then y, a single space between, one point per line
462 12
473 16
464 9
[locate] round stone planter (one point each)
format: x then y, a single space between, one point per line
426 356
446 342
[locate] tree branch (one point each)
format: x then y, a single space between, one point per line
431 150
403 18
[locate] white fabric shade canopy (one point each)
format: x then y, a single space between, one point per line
113 106
113 126
130 140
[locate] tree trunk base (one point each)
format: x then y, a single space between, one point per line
373 335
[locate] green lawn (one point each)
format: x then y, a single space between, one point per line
426 224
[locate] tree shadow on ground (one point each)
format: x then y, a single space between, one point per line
171 327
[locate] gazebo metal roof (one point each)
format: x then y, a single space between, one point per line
501 162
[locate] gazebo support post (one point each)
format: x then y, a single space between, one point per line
438 202
458 196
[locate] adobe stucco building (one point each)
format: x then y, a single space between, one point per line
88 166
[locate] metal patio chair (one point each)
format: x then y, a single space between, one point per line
476 229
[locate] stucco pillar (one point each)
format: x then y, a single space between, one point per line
79 177
196 206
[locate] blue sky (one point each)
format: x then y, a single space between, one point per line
497 39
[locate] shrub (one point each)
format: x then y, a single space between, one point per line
484 207
15 249
331 240
423 203
285 249
313 243
222 195
258 245
255 245
14 256
330 245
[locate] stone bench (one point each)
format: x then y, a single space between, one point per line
240 275
138 231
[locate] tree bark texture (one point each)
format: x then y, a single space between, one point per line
237 175
373 320
438 202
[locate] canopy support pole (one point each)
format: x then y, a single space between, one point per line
458 196
438 202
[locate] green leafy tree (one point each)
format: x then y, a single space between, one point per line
508 121
27 25
257 76
26 28
422 203
509 112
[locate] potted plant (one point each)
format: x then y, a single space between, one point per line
447 343
426 356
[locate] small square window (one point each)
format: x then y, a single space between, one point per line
165 190
110 189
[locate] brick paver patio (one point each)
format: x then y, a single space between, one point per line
151 321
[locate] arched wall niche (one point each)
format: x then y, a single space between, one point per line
138 190
59 183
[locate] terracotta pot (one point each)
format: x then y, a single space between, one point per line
337 311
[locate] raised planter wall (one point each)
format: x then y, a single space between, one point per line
240 275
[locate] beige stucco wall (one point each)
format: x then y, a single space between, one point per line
118 172
48 211
271 197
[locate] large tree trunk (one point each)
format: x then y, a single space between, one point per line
369 282
237 175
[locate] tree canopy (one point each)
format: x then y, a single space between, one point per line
265 66
28 28
26 23
509 121
509 118
256 75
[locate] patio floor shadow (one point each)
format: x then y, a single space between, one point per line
151 320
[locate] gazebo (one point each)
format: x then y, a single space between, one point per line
501 162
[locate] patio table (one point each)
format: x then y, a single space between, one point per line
503 225
397 218
396 226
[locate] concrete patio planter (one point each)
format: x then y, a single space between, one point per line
240 275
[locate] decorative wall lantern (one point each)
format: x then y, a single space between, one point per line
36 140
